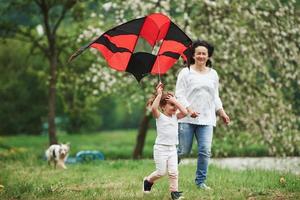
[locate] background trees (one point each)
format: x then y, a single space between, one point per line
257 55
38 23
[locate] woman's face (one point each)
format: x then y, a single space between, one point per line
201 55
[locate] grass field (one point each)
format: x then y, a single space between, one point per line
121 179
120 144
24 174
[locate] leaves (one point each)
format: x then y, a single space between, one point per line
257 55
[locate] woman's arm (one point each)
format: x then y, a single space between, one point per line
217 100
224 116
180 93
218 103
181 87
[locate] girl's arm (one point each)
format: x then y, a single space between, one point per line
182 110
155 104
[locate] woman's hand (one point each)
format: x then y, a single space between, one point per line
224 117
192 113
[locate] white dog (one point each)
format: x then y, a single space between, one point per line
58 154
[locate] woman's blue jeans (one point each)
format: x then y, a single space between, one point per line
204 135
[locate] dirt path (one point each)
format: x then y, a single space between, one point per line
288 164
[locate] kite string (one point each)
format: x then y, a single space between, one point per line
158 66
158 69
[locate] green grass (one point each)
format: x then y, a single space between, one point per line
120 144
25 174
121 179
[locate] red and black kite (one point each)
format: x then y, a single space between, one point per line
118 45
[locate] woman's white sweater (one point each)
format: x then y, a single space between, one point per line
199 92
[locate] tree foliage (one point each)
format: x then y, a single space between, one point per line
21 87
257 55
38 23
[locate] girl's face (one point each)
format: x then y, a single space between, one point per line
169 109
201 55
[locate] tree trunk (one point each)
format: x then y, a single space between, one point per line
140 140
52 100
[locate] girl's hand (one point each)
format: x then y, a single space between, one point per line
159 88
171 98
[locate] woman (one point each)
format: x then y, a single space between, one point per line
197 90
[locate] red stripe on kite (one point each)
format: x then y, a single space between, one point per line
117 60
162 64
125 41
173 46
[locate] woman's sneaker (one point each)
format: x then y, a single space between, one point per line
203 186
147 186
176 195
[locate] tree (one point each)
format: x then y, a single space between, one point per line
38 23
257 54
21 86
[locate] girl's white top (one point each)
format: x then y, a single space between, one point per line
199 92
167 130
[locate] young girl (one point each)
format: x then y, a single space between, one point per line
165 152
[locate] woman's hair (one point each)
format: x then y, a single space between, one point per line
163 100
210 50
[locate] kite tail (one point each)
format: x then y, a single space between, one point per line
80 51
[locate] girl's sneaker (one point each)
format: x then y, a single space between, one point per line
147 186
176 195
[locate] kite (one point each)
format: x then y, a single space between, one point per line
118 45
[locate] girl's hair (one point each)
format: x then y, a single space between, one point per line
210 50
163 100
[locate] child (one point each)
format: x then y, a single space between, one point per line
165 152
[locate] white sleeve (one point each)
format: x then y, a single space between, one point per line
181 87
218 102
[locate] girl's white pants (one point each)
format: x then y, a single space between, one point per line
165 157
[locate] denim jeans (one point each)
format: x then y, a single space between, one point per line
204 135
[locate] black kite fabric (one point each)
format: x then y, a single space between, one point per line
118 44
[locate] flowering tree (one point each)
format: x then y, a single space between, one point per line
257 57
257 53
